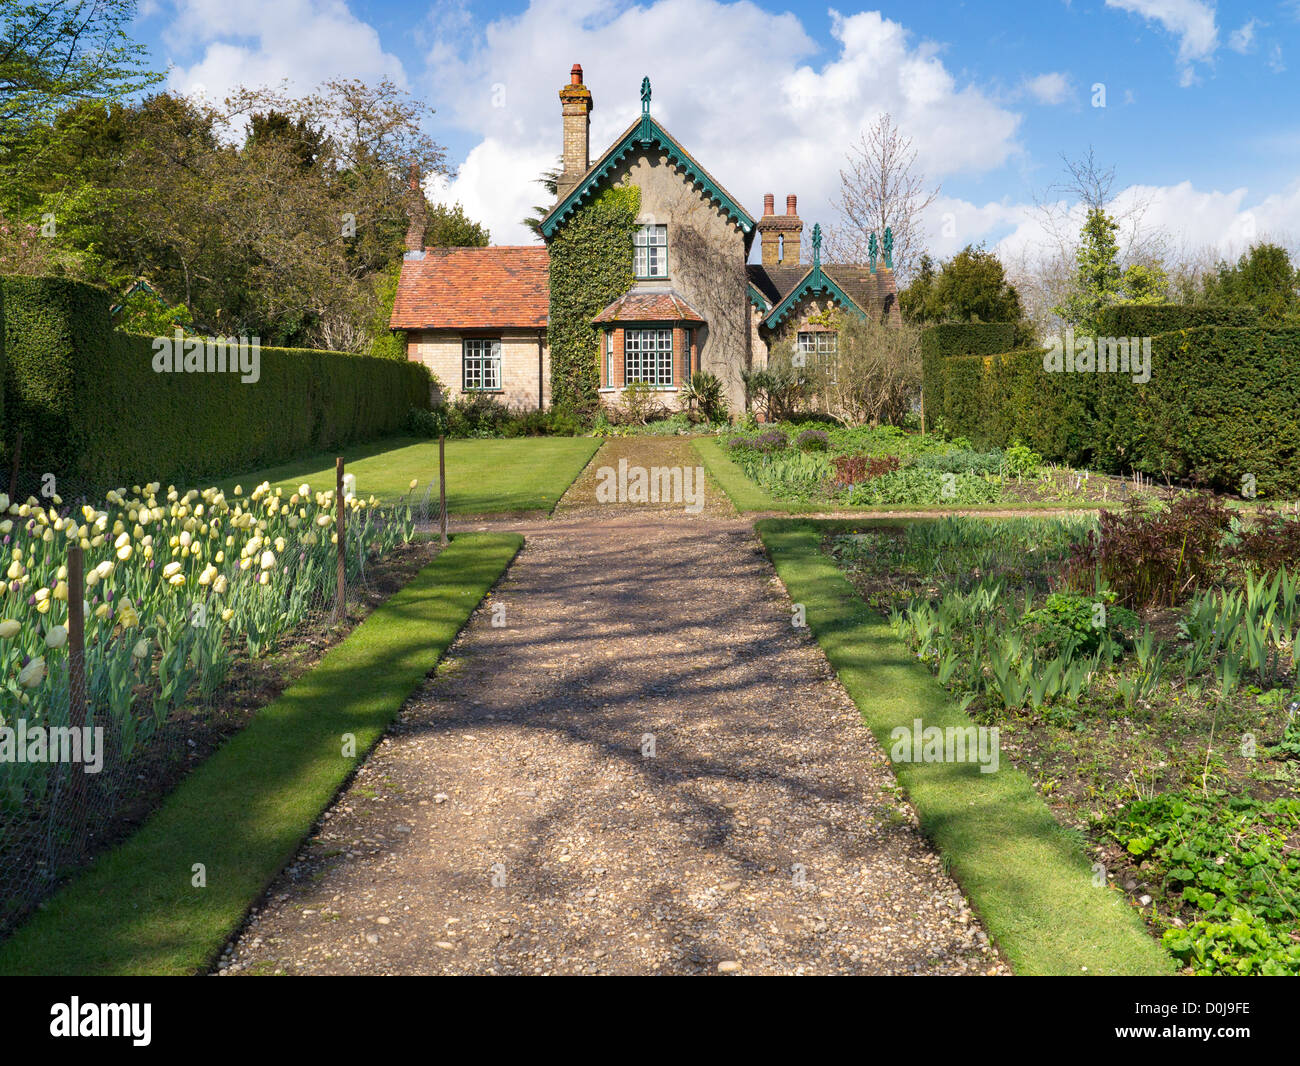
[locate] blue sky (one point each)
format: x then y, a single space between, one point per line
1200 119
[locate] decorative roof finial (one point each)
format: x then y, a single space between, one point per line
817 246
889 248
873 249
645 96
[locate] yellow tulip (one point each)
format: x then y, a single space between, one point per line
32 674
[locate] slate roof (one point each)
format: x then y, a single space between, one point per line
506 286
871 292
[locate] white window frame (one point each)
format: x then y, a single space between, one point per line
648 357
480 364
609 358
650 251
823 345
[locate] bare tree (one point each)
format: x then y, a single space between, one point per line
880 189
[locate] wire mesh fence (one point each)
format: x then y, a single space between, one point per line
186 599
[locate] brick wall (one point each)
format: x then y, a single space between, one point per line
441 353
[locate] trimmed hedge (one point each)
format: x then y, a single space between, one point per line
1220 404
942 342
1146 320
95 412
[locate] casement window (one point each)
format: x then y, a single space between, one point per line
650 246
821 347
687 337
648 356
609 358
481 365
821 342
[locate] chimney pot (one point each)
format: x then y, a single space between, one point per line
768 201
575 75
791 205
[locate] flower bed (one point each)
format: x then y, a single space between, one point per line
1167 732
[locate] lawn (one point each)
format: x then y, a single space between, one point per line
168 898
483 476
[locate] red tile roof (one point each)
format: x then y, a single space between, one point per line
474 288
649 307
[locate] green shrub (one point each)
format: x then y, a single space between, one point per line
93 410
1021 460
1070 622
705 391
961 461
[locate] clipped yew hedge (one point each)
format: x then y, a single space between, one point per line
942 342
1146 320
93 410
1221 403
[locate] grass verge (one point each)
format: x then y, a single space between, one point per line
243 813
483 476
1026 875
743 493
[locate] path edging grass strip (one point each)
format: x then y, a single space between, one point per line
245 811
1025 874
743 493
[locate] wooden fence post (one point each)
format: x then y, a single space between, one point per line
341 526
442 487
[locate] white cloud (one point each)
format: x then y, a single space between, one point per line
1051 88
1242 39
762 118
261 42
1191 21
1227 222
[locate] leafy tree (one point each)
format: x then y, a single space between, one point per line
150 314
972 286
1099 280
58 52
550 181
449 227
304 142
1263 277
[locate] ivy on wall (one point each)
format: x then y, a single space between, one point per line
591 267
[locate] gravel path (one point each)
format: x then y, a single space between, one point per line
630 762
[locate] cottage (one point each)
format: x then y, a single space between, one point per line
477 317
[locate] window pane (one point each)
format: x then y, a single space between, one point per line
648 356
481 364
651 252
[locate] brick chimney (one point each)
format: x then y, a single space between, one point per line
780 234
575 105
415 210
